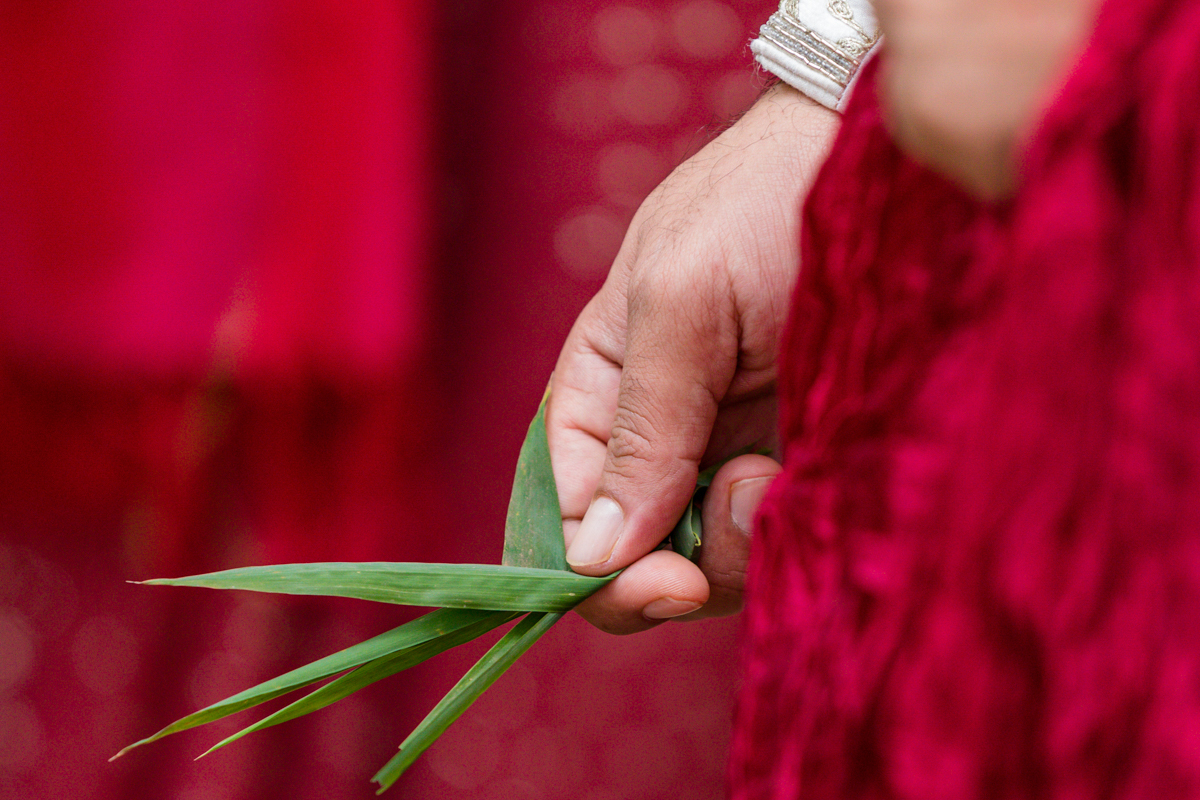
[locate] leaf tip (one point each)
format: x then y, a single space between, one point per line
129 747
217 746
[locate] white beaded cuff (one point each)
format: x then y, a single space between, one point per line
818 46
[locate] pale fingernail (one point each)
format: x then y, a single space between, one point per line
598 533
667 607
744 497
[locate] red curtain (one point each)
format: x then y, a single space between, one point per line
283 282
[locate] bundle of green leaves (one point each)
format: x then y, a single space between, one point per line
534 586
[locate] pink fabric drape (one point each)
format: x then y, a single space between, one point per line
213 213
978 576
284 281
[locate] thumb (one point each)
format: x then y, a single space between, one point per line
680 356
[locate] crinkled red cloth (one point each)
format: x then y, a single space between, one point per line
979 573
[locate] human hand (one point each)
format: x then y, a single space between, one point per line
672 364
964 81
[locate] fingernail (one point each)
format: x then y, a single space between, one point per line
744 497
598 533
667 607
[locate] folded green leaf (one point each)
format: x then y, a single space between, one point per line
491 666
686 536
481 586
427 628
375 670
533 534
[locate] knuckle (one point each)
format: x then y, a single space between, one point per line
630 446
681 290
729 577
644 448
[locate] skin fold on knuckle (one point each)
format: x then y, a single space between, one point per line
730 577
723 560
632 448
629 451
663 407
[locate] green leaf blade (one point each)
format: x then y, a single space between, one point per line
486 671
373 671
533 533
427 628
471 586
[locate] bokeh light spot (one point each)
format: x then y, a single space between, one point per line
21 736
624 36
16 649
649 95
581 106
706 29
732 93
587 242
626 172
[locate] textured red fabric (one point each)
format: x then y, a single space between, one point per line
979 574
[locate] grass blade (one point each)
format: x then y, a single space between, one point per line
686 536
429 627
485 672
479 586
533 533
373 671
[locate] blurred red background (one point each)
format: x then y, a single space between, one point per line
285 281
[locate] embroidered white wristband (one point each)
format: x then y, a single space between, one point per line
818 46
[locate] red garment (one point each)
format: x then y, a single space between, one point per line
979 574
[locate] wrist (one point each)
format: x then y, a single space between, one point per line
799 126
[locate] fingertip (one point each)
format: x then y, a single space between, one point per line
744 499
737 491
752 467
735 494
730 506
